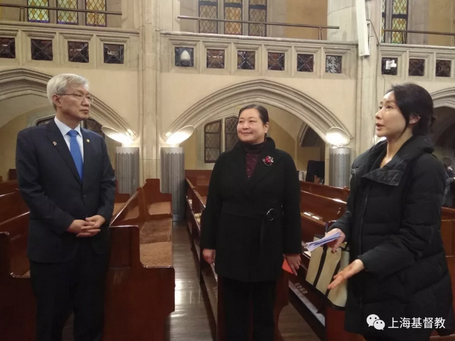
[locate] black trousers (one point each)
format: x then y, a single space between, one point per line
75 286
238 297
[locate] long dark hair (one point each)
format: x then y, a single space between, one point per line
412 99
263 113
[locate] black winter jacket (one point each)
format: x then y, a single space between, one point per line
250 243
392 224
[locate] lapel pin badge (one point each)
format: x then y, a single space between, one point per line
88 141
54 143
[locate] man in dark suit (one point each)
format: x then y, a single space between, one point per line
66 179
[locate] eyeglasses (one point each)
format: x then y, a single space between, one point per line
80 97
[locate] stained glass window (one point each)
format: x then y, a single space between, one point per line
233 11
94 126
333 64
95 19
208 9
7 47
38 14
230 133
383 20
67 17
417 67
258 12
276 61
212 141
443 68
215 59
113 53
78 52
399 20
42 49
246 60
305 62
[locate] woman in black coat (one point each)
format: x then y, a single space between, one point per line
399 285
251 219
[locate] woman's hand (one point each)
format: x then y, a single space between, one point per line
353 268
209 255
336 243
294 262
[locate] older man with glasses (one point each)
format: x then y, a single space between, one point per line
66 179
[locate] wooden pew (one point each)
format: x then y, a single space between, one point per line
8 186
139 297
17 304
325 191
198 177
11 205
145 271
325 209
159 204
12 174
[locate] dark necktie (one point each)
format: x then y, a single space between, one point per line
76 152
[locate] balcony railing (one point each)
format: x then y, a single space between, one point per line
320 28
67 46
201 53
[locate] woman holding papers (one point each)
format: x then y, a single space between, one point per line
251 219
398 271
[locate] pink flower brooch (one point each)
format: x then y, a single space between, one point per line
268 161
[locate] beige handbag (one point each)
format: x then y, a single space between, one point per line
323 266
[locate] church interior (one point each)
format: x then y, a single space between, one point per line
168 78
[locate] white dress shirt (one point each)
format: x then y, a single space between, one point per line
64 129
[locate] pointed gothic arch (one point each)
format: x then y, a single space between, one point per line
20 82
263 91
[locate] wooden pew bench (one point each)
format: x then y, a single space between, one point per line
11 205
325 191
155 232
158 204
139 295
16 297
8 186
198 177
324 208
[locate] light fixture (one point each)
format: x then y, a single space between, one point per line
337 137
185 56
124 138
390 64
179 136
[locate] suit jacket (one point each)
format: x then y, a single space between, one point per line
51 187
249 242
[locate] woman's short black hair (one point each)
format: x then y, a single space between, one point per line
263 113
412 99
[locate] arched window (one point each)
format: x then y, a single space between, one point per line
212 141
394 16
230 133
244 10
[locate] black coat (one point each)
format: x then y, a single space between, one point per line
52 189
249 243
392 224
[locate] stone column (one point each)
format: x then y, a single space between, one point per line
342 13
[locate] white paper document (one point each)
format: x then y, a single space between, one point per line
327 239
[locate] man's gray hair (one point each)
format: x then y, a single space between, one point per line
58 85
